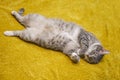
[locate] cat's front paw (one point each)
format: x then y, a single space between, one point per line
75 58
9 33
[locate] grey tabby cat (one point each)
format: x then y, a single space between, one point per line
55 34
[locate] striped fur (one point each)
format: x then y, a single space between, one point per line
55 34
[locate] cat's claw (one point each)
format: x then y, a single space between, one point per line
9 33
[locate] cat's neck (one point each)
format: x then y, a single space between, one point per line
87 41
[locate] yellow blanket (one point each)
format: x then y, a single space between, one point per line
20 60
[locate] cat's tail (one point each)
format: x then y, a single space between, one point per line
21 11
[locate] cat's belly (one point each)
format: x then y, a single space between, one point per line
55 41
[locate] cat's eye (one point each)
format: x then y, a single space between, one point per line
94 53
99 48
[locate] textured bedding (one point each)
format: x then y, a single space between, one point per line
20 60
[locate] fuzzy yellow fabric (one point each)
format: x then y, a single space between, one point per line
20 60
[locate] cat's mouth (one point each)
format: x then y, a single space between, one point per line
93 60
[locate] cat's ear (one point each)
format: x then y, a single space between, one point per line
104 51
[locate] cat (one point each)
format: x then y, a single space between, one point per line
55 34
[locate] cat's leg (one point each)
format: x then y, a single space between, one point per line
23 34
26 34
13 33
72 51
19 17
74 57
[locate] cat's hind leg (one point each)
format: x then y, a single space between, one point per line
21 19
13 33
20 33
17 16
26 34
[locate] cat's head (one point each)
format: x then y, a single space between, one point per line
95 53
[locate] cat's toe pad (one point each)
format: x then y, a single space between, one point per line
9 33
